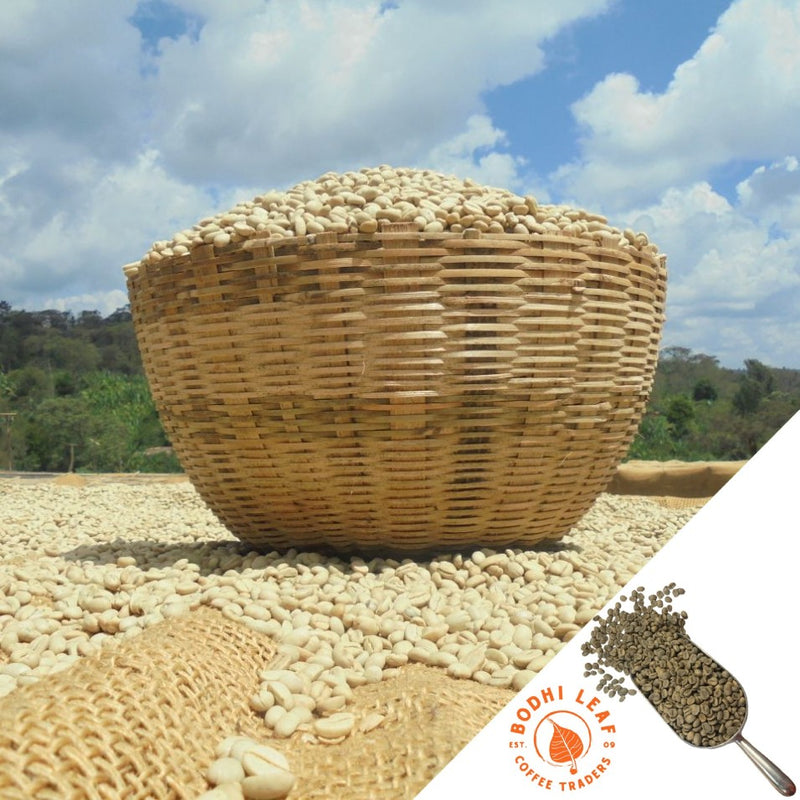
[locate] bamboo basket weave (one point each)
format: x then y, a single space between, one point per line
400 390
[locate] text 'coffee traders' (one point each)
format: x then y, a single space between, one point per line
562 739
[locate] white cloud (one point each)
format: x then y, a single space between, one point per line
733 287
108 146
738 98
647 160
772 193
71 69
472 154
113 215
288 91
105 303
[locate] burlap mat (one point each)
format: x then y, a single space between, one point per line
680 502
138 720
430 717
690 479
142 719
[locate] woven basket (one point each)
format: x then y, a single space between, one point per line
400 390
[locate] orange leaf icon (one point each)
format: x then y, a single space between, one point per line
565 746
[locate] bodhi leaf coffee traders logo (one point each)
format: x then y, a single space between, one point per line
562 739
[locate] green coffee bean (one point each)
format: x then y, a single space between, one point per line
697 697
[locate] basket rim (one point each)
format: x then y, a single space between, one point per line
580 247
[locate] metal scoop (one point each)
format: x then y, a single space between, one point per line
776 776
688 689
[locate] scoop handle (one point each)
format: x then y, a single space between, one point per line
777 777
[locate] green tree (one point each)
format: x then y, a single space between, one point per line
126 403
30 385
652 441
51 348
55 429
680 415
89 319
679 370
704 390
6 387
65 382
761 374
756 384
747 398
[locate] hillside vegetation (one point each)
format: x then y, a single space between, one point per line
73 396
80 398
701 411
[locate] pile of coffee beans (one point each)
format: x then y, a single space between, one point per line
359 202
698 698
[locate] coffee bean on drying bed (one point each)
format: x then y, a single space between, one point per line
77 574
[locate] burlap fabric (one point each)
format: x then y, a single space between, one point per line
430 717
681 502
138 720
141 720
690 480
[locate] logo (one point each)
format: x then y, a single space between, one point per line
562 739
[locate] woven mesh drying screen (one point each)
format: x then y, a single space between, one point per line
400 389
140 720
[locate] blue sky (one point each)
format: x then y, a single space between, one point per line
681 119
645 39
